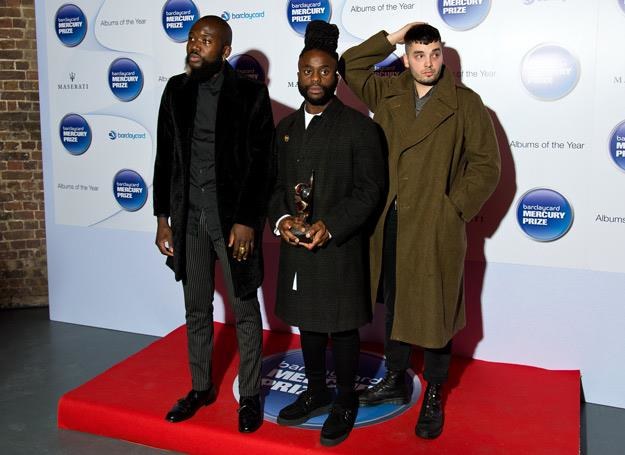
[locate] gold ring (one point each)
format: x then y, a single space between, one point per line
242 248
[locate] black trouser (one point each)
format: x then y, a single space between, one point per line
202 252
436 361
345 350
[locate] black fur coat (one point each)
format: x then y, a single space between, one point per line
243 165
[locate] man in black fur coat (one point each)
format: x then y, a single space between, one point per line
211 182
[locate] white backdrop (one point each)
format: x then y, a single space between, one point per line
545 269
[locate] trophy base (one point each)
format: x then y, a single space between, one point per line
300 235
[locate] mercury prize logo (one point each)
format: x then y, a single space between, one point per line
301 12
549 72
178 17
617 145
390 66
75 134
544 214
283 378
248 66
130 190
70 25
463 14
125 79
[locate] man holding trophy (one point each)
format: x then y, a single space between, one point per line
329 188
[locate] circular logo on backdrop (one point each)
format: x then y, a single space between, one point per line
544 215
248 66
390 66
75 134
301 12
463 14
549 72
178 17
617 145
284 378
130 190
125 79
70 24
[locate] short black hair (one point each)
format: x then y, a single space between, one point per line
224 28
321 36
422 34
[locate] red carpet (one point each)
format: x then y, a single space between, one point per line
492 408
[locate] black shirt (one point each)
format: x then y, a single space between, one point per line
203 182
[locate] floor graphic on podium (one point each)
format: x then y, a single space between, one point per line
490 407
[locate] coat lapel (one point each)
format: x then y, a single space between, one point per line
318 136
296 132
185 105
227 107
441 106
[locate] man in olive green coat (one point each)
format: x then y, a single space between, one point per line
443 165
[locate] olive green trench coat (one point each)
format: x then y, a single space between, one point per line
443 166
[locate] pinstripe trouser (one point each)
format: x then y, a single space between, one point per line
202 251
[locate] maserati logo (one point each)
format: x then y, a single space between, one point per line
73 84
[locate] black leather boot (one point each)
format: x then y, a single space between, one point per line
391 389
432 416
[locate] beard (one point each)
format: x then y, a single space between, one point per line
430 81
328 93
207 70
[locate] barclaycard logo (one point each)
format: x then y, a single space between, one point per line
531 2
283 378
114 135
229 15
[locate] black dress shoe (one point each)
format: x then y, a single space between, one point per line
338 425
187 406
391 389
432 416
307 406
250 414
